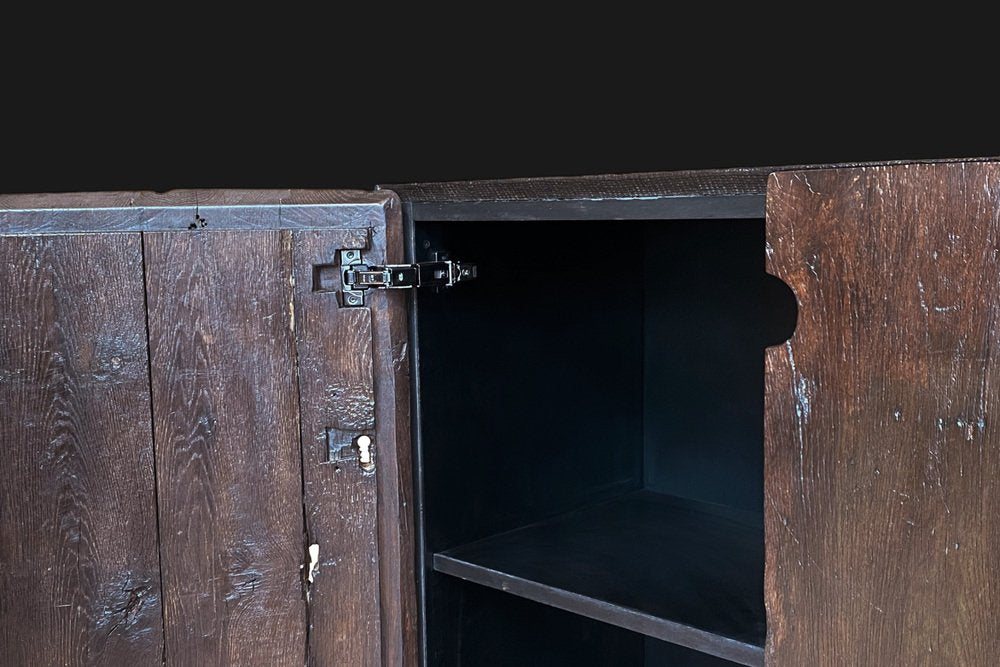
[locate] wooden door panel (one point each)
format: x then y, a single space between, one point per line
882 456
337 395
180 343
79 571
226 429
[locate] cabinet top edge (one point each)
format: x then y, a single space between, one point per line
208 198
732 182
177 210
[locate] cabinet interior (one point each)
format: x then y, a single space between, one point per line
589 442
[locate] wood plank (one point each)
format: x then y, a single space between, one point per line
668 207
882 448
227 446
396 507
690 183
589 189
179 210
673 569
671 195
337 398
220 198
79 570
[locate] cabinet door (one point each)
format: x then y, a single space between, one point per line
882 448
186 402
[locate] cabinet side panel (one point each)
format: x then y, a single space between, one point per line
79 571
882 449
227 439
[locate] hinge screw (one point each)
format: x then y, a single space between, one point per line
350 254
353 299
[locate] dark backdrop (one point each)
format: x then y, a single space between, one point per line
224 142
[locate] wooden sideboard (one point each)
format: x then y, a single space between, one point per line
689 418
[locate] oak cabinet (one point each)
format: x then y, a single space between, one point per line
692 418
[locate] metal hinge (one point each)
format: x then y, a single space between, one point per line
358 276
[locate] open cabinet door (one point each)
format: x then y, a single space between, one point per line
882 451
206 455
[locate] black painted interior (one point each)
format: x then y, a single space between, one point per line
588 360
709 312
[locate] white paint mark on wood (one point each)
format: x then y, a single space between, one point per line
799 419
291 304
313 563
923 300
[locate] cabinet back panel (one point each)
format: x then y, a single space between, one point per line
588 359
486 627
531 375
710 310
664 654
490 627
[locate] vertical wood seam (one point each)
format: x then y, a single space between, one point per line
288 239
415 445
152 436
377 472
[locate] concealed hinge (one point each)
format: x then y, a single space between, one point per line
358 276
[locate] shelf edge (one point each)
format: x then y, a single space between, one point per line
624 617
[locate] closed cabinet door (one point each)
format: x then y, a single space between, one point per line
882 446
205 445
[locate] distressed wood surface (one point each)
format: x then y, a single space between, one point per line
706 182
397 558
882 448
190 210
222 308
670 195
188 199
79 571
227 447
337 398
734 182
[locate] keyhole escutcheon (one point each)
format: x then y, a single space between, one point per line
363 444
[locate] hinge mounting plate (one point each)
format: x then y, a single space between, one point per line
358 277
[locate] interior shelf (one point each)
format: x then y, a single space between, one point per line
670 568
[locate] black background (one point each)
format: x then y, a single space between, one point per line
236 139
285 98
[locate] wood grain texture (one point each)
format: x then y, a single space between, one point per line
227 446
397 530
190 210
188 199
707 182
661 207
79 571
734 182
337 399
882 452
